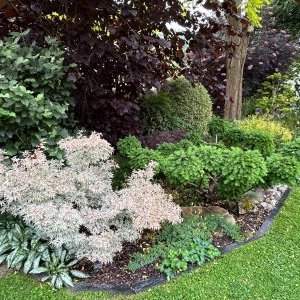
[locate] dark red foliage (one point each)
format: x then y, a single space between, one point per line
158 138
271 50
119 54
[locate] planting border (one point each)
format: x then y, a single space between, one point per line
158 280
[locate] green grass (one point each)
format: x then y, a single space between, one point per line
265 269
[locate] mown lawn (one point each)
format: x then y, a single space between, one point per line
266 269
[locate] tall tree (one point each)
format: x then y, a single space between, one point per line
248 15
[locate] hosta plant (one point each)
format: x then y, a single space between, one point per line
22 249
57 269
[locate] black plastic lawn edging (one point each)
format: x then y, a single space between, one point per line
158 280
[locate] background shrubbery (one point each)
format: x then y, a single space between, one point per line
178 106
35 94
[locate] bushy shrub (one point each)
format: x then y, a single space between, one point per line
266 125
291 149
35 94
282 169
287 14
233 136
178 106
72 204
242 171
177 247
278 98
183 164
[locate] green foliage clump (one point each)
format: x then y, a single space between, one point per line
282 169
180 105
138 157
242 170
233 136
287 14
196 253
35 95
179 246
278 98
267 125
235 171
184 166
291 149
22 249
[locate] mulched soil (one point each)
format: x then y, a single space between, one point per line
117 274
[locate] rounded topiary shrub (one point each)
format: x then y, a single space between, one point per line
179 105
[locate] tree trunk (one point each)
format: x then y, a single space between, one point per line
235 62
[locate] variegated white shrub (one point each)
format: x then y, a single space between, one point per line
73 203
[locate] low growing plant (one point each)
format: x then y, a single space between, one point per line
22 249
179 246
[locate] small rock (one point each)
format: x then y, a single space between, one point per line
249 201
267 206
217 210
191 211
4 271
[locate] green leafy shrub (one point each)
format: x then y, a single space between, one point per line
282 169
278 98
233 136
22 249
291 149
242 171
35 95
180 105
184 166
179 246
266 125
235 171
128 145
287 14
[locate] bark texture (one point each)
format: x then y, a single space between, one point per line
235 62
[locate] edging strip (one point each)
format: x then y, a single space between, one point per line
158 280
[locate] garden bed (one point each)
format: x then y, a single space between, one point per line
116 277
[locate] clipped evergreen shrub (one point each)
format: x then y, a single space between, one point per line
180 105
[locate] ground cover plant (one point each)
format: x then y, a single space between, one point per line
176 248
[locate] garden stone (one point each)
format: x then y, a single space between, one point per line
216 210
189 211
267 206
4 271
250 200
